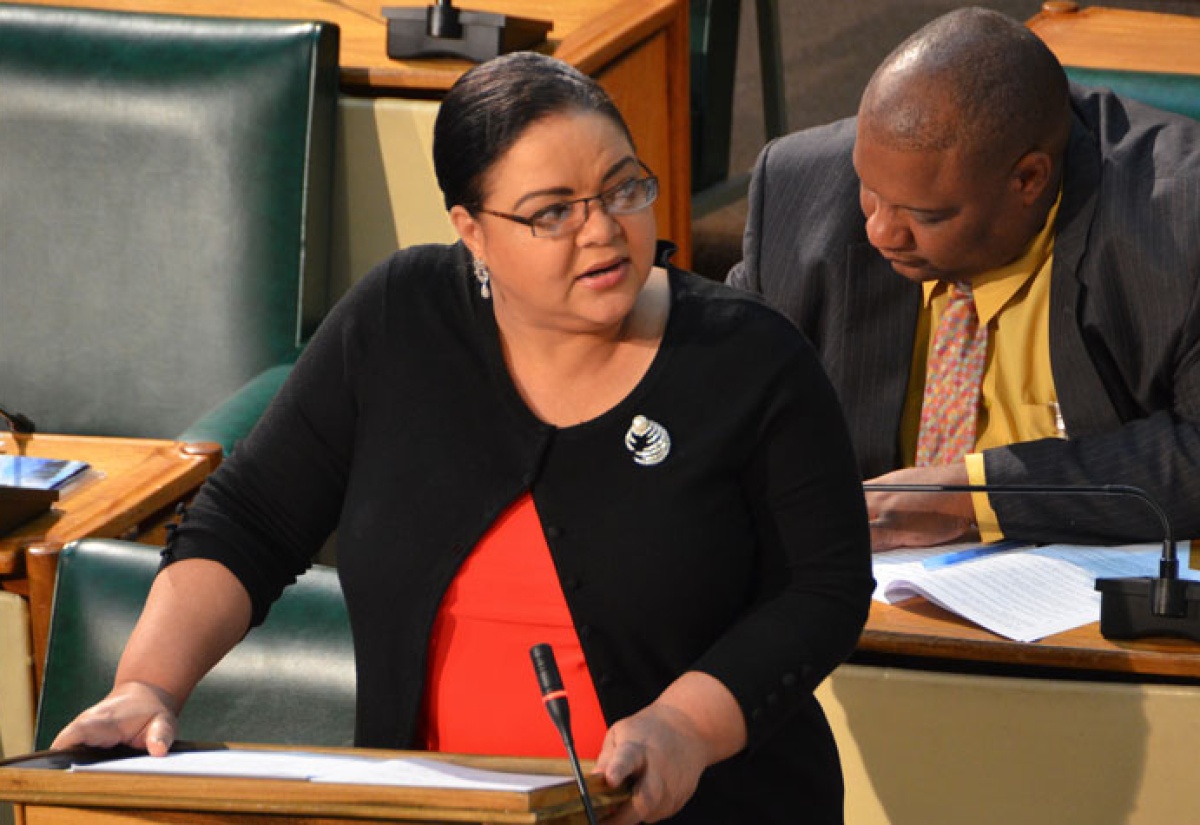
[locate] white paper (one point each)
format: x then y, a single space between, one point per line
1023 594
317 767
432 773
903 565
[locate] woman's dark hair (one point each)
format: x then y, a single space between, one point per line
490 106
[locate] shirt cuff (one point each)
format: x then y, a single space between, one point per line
985 516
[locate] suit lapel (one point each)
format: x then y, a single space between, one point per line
872 363
1083 397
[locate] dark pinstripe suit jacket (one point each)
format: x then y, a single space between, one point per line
1124 325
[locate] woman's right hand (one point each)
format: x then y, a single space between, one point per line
134 713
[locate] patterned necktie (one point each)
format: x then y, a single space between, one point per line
952 378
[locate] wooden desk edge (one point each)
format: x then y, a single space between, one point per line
225 795
1103 37
919 629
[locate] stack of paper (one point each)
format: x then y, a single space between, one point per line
1022 592
317 767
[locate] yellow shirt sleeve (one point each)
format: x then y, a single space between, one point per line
985 516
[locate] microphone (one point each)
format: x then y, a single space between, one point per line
442 20
442 30
18 424
554 697
1131 607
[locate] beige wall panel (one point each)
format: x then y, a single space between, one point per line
16 677
385 192
921 748
16 684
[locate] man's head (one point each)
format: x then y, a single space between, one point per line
961 133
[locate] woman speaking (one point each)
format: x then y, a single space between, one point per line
544 433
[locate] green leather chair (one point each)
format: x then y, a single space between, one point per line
1179 93
290 681
166 210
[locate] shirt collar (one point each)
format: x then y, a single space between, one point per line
995 288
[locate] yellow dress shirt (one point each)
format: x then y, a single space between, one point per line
1018 400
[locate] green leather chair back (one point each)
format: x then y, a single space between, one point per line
164 210
290 681
1179 93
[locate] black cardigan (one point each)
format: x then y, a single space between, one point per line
745 554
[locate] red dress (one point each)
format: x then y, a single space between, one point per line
481 693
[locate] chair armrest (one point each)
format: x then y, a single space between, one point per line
232 419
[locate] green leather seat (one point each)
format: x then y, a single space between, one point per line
1179 93
165 192
290 681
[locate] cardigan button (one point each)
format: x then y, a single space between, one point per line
789 680
553 532
585 631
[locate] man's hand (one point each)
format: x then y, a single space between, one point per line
920 519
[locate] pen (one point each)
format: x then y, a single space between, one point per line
968 553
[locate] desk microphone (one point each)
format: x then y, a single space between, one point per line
554 697
1132 607
18 424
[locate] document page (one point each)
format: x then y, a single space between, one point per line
319 767
1022 593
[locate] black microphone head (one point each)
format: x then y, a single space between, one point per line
546 668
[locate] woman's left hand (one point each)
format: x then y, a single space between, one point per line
665 747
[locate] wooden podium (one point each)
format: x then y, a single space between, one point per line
43 792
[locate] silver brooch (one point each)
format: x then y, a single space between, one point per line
648 441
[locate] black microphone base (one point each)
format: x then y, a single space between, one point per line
481 35
1134 608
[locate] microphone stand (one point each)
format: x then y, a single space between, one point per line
554 697
1131 607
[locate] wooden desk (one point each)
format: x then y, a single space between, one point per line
917 629
637 49
1108 38
46 796
130 491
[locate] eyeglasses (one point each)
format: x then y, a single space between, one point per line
560 219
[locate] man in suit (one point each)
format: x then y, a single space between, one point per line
1072 219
